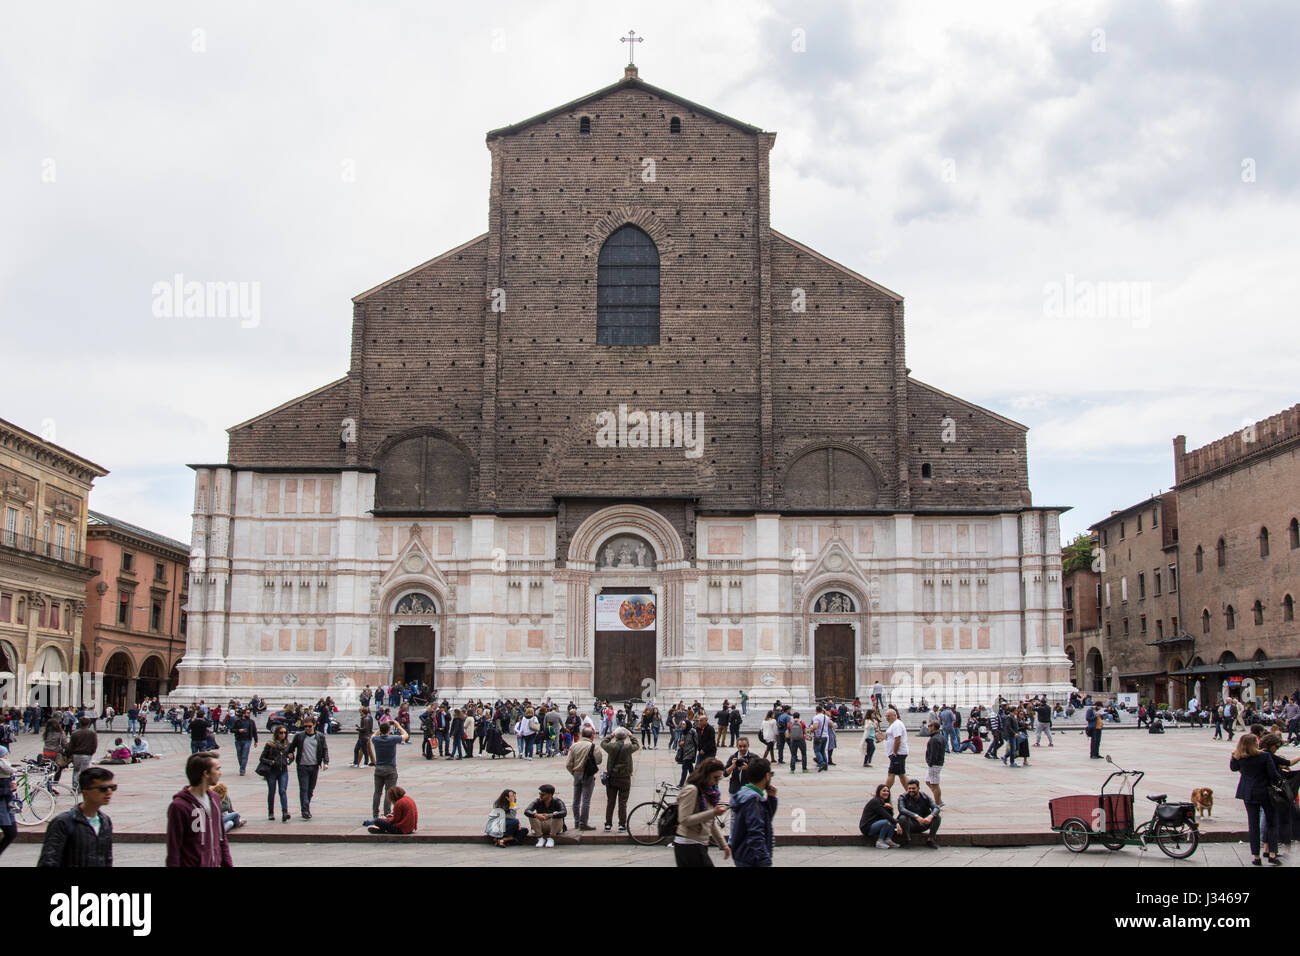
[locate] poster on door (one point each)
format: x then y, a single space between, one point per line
625 612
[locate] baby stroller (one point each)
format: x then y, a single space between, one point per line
495 744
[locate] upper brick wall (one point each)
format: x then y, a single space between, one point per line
1246 444
304 431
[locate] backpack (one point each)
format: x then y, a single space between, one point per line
667 825
589 765
795 730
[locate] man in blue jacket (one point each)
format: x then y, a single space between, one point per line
753 808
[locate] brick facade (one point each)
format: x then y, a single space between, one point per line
470 416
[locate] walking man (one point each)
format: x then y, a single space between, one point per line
312 755
948 727
1043 717
365 730
821 735
584 764
83 836
896 748
935 748
1092 727
384 753
82 746
245 730
196 834
753 808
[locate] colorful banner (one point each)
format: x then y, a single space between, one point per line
625 612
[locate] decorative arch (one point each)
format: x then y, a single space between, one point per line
425 469
8 657
119 670
832 474
642 217
153 671
650 525
49 661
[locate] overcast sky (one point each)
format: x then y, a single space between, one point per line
996 170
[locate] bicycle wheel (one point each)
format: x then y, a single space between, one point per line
1177 840
37 808
643 824
1074 834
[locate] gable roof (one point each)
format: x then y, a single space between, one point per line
629 82
808 250
961 401
293 401
423 265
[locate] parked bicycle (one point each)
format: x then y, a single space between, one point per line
1108 819
643 820
37 794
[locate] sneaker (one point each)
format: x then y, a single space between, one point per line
893 845
608 828
367 823
285 818
622 829
931 844
550 842
884 845
541 841
270 817
306 815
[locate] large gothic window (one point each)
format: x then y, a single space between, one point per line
627 289
831 478
423 473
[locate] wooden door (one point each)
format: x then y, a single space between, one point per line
415 646
624 659
833 661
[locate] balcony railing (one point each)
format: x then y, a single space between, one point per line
47 549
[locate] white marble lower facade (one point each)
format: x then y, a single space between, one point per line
297 591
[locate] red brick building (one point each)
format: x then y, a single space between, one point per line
134 626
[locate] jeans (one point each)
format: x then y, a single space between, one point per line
385 778
962 747
744 708
910 826
361 752
1095 750
951 739
819 751
798 748
880 830
277 780
780 747
457 750
1253 813
230 821
443 747
386 826
582 788
1043 729
528 746
617 789
687 767
198 746
307 785
871 747
241 752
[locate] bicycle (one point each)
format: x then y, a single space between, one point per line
34 803
643 820
1108 819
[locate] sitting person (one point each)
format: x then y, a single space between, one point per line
402 820
229 818
503 822
118 753
546 815
878 822
140 750
918 814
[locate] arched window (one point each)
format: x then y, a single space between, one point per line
1263 542
1295 533
830 478
1288 608
1200 559
423 473
1222 549
1258 611
1231 617
584 125
627 289
1205 621
675 124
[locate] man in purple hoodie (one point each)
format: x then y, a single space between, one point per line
195 834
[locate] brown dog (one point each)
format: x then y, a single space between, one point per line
1203 800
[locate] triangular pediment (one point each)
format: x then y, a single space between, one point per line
414 564
835 565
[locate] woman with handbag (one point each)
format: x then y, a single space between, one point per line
699 808
274 766
1258 776
1283 796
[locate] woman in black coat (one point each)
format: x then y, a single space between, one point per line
1257 770
878 821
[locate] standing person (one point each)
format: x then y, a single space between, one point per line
1011 734
8 825
699 806
870 731
365 730
83 836
878 695
752 841
948 727
618 775
546 815
383 750
734 770
274 766
245 731
199 727
526 730
1043 718
733 725
1217 716
794 735
783 719
935 748
196 835
456 734
584 764
109 714
707 741
82 747
1092 727
821 737
995 729
312 755
687 752
1257 770
744 704
896 748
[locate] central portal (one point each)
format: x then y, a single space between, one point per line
413 654
833 662
626 630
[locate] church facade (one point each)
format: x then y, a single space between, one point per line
631 441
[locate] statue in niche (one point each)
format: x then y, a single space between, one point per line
625 557
609 555
642 560
834 603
